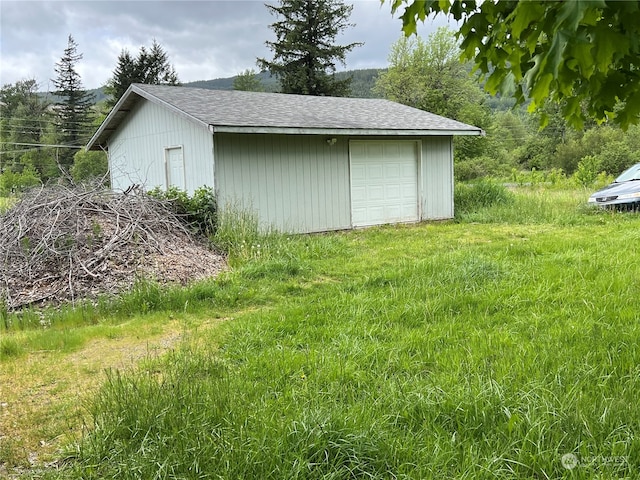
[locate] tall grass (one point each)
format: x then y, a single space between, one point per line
491 202
490 347
480 195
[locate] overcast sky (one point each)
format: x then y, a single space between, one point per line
205 39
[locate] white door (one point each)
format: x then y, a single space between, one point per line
175 167
384 182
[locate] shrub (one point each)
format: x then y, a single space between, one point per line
11 182
556 176
536 152
89 165
478 167
617 157
588 169
482 194
199 211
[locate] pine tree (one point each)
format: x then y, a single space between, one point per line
73 108
125 73
154 66
305 55
151 66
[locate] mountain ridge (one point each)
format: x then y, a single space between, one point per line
363 81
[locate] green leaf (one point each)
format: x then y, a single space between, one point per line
555 55
524 15
572 112
607 45
541 87
571 13
496 81
580 49
587 49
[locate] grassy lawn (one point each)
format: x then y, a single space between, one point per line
501 345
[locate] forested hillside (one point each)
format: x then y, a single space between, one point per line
361 85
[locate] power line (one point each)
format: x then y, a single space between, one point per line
40 145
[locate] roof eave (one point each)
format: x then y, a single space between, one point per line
343 131
133 89
92 144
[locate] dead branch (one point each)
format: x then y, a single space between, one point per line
63 243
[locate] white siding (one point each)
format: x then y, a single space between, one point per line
437 178
295 183
137 149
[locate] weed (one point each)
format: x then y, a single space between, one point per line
9 348
481 194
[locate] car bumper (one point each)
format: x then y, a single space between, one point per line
626 204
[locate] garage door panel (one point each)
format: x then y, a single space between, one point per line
395 211
394 171
377 213
358 170
375 194
359 212
358 194
393 192
408 170
384 182
375 172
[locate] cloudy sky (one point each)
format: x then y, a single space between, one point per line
205 39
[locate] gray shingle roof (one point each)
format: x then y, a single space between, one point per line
259 112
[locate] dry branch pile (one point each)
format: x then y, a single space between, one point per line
60 244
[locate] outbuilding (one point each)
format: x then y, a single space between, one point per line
301 163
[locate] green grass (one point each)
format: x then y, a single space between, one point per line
488 347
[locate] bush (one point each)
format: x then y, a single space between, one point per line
588 169
616 150
12 182
89 165
472 168
555 177
617 157
482 194
199 211
536 152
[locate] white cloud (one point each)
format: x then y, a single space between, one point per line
204 39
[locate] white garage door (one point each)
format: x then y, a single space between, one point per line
384 182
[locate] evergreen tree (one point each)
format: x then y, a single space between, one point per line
305 55
154 66
151 66
125 73
73 108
